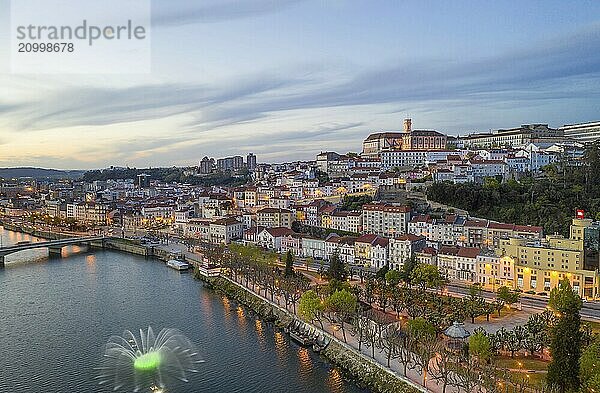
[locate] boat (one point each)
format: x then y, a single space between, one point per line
177 265
300 339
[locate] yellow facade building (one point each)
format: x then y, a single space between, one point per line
541 265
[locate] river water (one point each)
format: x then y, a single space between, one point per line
57 314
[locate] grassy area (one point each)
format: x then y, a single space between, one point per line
535 379
523 363
595 326
506 313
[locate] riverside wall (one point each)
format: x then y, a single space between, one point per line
358 367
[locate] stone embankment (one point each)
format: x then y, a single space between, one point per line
359 367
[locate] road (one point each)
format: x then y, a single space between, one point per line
589 311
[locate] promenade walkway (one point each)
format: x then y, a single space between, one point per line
412 374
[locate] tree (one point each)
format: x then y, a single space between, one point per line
393 277
311 307
474 303
337 268
308 262
289 264
341 305
565 343
467 375
422 335
507 296
480 347
382 272
374 327
590 367
393 341
426 276
444 365
409 265
360 324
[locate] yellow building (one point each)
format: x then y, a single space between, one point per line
541 265
578 227
326 220
271 217
362 249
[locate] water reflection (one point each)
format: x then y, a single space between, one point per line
226 307
281 346
335 382
46 306
306 366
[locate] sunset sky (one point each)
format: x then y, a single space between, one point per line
286 79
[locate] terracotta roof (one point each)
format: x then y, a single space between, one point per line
421 218
429 250
468 252
254 230
476 223
426 133
499 225
379 135
226 221
279 231
381 241
410 237
450 218
269 210
327 209
368 238
528 228
449 250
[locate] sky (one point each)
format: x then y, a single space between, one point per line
286 79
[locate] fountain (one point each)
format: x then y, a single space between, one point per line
147 362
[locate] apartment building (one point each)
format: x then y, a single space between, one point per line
272 217
494 271
403 248
541 264
88 212
385 219
225 230
458 263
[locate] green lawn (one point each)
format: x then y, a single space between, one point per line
595 326
535 379
526 363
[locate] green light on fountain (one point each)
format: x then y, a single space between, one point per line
147 362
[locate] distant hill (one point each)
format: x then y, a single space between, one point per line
39 173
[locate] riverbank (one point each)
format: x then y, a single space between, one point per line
357 366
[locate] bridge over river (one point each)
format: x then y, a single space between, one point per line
54 246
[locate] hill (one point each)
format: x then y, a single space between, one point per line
39 173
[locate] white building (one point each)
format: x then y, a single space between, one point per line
225 230
403 248
385 220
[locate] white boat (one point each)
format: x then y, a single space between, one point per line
177 265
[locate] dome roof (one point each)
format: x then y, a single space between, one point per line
457 330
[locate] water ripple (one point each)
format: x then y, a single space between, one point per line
56 317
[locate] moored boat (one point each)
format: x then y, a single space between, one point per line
178 265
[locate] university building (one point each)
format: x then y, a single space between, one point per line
409 139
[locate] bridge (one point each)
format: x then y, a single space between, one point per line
54 246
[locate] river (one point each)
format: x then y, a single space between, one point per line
57 314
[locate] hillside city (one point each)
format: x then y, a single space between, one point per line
370 208
372 259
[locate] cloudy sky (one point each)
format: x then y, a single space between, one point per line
286 79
